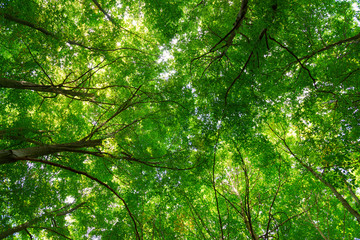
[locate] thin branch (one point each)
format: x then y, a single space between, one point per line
103 11
272 204
247 210
341 199
27 231
214 185
54 231
42 69
297 59
30 223
351 39
229 37
152 164
122 108
281 224
113 21
29 24
193 210
352 193
316 226
90 177
71 42
262 34
237 77
232 204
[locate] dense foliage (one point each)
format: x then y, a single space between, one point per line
179 119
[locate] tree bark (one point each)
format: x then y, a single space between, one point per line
11 156
9 83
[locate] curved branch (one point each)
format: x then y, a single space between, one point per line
90 177
29 24
51 34
229 37
354 38
30 223
297 59
262 34
341 199
237 77
113 21
54 231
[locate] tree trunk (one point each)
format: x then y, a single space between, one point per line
9 83
11 156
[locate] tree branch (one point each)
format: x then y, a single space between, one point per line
90 177
34 221
341 199
297 59
103 11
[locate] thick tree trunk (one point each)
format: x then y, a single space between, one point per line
31 223
10 156
9 83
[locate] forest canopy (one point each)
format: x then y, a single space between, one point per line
179 119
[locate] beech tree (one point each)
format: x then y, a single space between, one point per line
179 119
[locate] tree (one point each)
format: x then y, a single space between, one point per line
192 120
